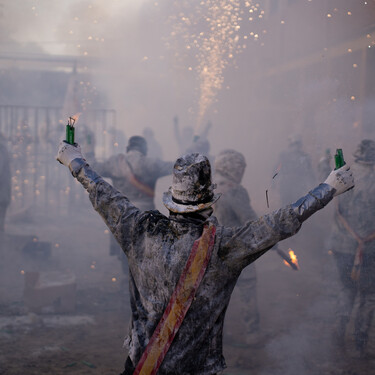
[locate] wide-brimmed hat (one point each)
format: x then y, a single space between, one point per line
365 152
192 189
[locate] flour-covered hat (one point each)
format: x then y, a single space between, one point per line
192 189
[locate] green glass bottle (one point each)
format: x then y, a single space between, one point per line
70 134
339 158
69 137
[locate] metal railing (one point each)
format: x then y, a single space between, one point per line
32 135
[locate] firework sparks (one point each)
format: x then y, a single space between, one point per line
212 31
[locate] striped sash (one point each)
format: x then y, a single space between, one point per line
179 303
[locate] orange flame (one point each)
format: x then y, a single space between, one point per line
74 118
293 259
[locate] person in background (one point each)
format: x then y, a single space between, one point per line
135 172
352 242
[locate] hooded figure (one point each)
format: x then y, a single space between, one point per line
233 209
183 268
353 244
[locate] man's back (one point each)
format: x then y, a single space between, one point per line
157 248
156 263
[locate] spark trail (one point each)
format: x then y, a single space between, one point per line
211 29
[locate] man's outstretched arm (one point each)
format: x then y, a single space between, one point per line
117 211
243 245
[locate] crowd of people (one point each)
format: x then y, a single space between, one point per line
210 210
213 213
183 269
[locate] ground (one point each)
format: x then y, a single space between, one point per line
296 307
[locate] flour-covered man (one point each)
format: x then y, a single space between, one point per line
183 267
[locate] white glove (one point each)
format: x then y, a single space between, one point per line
67 153
340 179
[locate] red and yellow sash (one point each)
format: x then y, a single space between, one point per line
145 189
127 168
141 186
179 303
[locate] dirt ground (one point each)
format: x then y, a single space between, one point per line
296 307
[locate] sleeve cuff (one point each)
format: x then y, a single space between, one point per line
76 165
313 201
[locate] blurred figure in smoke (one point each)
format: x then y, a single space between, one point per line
294 171
233 209
183 268
353 246
153 146
5 181
135 174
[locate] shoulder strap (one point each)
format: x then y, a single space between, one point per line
179 303
134 180
358 258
